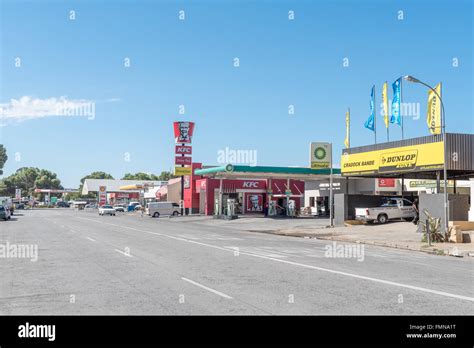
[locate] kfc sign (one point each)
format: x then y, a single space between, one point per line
183 150
183 132
250 184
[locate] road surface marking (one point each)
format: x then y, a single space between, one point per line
123 253
207 288
352 275
91 239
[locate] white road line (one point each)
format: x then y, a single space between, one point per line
207 288
91 239
123 253
352 275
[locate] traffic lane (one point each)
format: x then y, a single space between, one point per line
447 274
267 285
74 275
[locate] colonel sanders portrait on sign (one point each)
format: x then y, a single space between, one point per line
183 131
254 203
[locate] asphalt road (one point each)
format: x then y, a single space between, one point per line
128 264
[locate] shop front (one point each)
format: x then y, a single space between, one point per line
250 189
250 196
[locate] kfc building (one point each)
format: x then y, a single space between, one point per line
207 190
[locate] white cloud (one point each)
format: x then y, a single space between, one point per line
27 108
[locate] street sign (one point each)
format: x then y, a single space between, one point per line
179 171
102 195
183 150
183 160
54 200
320 155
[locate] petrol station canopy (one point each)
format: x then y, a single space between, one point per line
415 158
241 171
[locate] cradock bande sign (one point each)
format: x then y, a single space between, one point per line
421 157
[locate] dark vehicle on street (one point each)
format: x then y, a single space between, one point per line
4 213
63 205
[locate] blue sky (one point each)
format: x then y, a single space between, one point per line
190 63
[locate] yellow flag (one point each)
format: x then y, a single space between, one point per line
348 122
385 105
433 115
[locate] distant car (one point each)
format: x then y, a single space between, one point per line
119 208
107 210
4 213
134 206
90 206
63 205
155 209
20 206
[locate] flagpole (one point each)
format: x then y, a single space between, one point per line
349 135
375 117
388 119
400 110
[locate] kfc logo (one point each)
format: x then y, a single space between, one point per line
250 184
183 131
183 150
255 203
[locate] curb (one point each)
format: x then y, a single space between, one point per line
444 252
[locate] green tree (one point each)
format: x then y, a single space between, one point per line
3 158
165 176
29 178
140 176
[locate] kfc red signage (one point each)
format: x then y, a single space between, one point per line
245 184
183 160
183 132
254 202
183 150
386 182
250 184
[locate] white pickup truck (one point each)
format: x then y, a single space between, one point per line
392 208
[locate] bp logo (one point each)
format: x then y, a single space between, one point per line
319 153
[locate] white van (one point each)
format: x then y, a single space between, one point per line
155 209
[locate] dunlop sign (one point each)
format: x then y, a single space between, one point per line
422 157
396 161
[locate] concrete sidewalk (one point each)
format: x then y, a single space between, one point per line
401 235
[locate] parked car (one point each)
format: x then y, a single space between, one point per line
90 206
107 210
134 206
155 209
63 205
119 208
392 208
20 206
4 213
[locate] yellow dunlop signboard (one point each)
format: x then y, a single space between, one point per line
421 157
179 171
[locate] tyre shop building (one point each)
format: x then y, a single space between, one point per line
417 159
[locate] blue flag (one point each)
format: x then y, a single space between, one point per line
370 123
396 116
